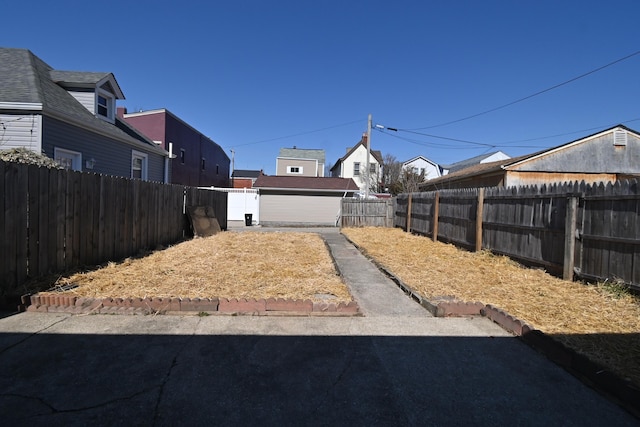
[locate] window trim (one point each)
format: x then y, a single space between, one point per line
76 157
356 168
110 105
299 170
144 167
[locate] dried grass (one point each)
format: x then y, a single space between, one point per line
602 325
228 265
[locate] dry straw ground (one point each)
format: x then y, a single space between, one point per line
594 320
227 265
598 321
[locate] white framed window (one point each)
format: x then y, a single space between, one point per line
372 168
105 105
296 170
71 160
139 165
356 169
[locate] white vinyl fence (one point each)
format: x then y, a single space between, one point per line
241 201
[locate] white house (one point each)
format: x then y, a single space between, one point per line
353 165
421 164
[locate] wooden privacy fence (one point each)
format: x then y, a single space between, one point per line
56 220
590 231
363 213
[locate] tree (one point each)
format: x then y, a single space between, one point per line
411 180
391 171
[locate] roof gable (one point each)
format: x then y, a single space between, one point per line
570 145
415 159
376 154
87 80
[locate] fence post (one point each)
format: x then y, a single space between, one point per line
409 214
569 238
479 219
436 210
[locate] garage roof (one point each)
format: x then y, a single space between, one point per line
306 183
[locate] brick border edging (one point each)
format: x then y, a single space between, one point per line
249 306
625 393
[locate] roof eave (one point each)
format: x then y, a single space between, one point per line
21 106
129 140
309 190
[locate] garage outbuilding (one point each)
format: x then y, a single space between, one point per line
302 201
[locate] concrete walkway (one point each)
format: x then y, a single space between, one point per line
397 365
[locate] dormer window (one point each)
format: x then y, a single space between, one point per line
105 105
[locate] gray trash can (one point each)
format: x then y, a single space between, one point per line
248 219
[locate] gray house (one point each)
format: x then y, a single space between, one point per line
70 116
607 156
300 162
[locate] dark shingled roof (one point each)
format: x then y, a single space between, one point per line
245 173
306 183
25 78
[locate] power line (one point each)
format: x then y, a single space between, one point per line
431 144
507 144
568 133
534 94
298 134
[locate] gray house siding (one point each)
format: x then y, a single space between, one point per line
598 155
308 167
20 130
111 157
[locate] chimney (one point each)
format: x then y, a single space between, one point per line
121 111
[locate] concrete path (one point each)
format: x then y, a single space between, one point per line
376 294
395 366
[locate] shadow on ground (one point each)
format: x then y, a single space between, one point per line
158 380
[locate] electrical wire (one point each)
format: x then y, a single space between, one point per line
534 94
297 134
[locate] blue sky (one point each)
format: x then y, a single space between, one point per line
256 76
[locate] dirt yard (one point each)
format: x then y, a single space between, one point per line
602 322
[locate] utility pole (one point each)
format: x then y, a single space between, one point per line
367 174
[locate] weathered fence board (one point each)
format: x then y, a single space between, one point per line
367 213
55 220
600 241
